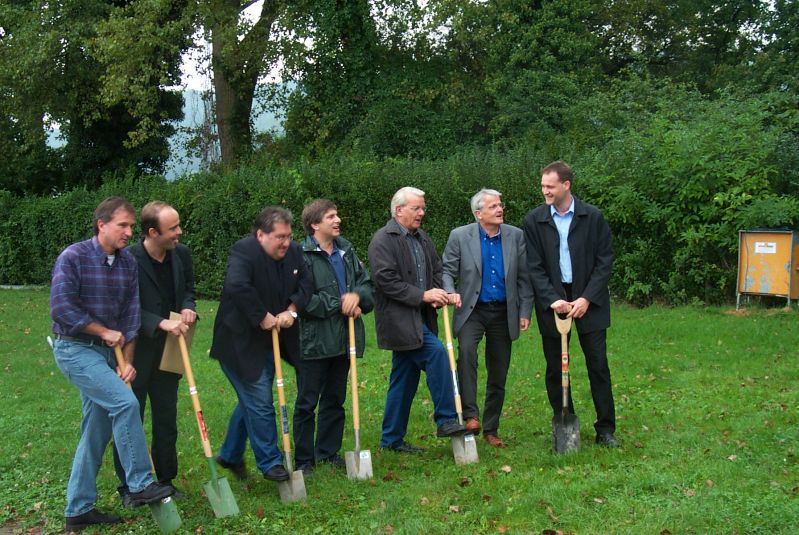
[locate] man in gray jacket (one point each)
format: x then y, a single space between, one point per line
342 289
488 260
407 275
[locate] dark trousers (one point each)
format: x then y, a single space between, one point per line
162 389
491 321
593 345
321 382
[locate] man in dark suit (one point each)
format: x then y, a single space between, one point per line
166 283
266 285
570 257
488 260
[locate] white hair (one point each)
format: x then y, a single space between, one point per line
479 198
401 197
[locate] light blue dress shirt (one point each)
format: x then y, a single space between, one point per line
563 222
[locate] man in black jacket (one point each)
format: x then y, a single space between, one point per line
408 278
570 256
266 286
342 289
166 283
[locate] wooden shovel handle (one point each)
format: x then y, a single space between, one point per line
195 398
356 415
281 396
453 368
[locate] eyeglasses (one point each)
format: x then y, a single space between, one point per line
494 206
417 209
281 238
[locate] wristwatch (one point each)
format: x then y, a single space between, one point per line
293 314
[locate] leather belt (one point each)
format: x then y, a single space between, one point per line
91 340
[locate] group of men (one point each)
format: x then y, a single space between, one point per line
105 295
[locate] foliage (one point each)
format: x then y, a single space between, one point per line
706 410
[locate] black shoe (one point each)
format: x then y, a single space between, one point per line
306 468
238 469
607 440
277 473
90 518
335 460
150 494
450 429
404 447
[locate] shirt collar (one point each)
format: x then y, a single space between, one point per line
554 211
484 234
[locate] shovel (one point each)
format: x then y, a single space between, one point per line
217 489
566 428
464 447
359 462
293 489
165 512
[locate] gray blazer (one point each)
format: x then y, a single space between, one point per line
463 263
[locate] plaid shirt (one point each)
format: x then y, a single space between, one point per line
86 289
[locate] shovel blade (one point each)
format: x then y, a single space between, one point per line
166 515
464 449
566 433
221 497
359 466
293 489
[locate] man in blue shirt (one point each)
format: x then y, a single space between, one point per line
487 259
342 289
570 256
94 304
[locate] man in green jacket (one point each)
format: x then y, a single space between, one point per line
342 289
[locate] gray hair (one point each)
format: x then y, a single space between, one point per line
479 198
401 197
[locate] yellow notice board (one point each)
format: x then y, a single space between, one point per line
171 359
768 263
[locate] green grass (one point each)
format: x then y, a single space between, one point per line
708 413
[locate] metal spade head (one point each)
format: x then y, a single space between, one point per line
293 489
565 433
359 464
221 497
464 448
166 515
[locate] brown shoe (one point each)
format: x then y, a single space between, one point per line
472 425
495 442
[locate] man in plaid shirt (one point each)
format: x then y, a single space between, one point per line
94 304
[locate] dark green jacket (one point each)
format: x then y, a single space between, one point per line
323 328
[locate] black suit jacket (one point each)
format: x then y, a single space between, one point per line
591 251
150 343
254 285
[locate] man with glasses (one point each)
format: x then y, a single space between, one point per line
406 271
487 261
266 285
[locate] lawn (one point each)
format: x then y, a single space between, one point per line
708 415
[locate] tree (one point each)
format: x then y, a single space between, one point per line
50 75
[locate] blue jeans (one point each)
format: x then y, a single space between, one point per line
253 418
406 367
109 408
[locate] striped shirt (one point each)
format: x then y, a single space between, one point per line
86 289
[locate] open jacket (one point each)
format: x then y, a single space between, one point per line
591 251
324 329
254 285
399 309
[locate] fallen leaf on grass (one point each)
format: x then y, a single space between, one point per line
391 476
732 458
259 512
423 500
505 468
599 499
689 493
638 445
200 529
454 509
665 532
465 482
486 498
388 528
553 532
502 529
709 483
